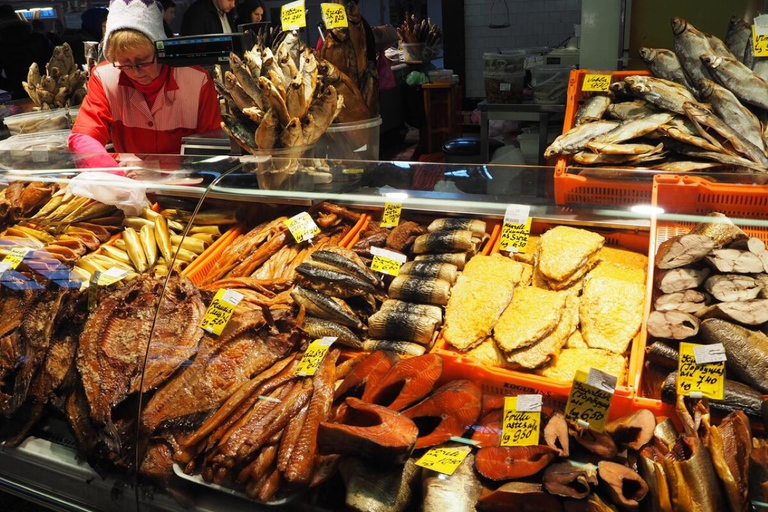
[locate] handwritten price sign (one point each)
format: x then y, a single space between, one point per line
220 311
701 369
391 216
596 83
14 258
334 16
302 227
314 355
516 228
590 399
444 460
386 262
522 419
293 15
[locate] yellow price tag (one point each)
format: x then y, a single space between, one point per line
444 460
334 16
522 419
14 258
700 373
391 216
302 227
353 170
516 228
590 399
220 311
314 355
293 15
759 43
596 83
386 262
111 276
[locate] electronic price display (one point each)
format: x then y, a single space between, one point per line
200 50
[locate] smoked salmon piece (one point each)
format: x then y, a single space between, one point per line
370 430
488 429
512 462
367 373
406 382
455 407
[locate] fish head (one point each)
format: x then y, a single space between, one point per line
711 61
647 54
692 109
706 87
678 25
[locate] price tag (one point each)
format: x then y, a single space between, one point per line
707 378
444 460
522 419
590 399
353 170
334 16
516 228
293 15
220 311
391 216
759 42
14 258
111 276
314 355
386 262
596 83
707 354
302 227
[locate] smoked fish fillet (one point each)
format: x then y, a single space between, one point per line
533 314
563 251
611 312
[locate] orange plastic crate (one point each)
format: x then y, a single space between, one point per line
556 390
203 264
575 189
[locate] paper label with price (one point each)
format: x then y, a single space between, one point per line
293 15
314 355
14 258
516 228
707 379
522 418
111 276
590 399
386 262
596 83
391 216
334 16
302 227
220 311
444 460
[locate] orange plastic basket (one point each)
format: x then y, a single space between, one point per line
203 264
575 189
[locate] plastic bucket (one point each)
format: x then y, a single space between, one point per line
413 52
38 121
503 87
357 140
550 84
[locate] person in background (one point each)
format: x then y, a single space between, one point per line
21 47
209 17
142 106
169 13
250 11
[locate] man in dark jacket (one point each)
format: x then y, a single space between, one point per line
209 17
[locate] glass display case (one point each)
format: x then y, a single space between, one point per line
193 334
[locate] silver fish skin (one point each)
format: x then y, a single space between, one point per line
728 108
719 48
407 348
739 79
345 265
246 81
632 129
322 306
738 36
690 44
689 138
589 158
746 350
749 53
456 494
593 109
575 139
373 488
630 109
740 144
336 283
722 158
662 93
608 148
664 64
319 328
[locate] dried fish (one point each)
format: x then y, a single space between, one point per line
577 138
738 78
690 44
664 64
593 109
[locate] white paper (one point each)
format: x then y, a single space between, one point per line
232 296
384 253
327 341
601 380
708 354
517 213
116 272
761 24
529 403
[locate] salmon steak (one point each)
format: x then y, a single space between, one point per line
406 382
449 412
512 462
370 430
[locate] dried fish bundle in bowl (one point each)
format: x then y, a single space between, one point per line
62 85
275 98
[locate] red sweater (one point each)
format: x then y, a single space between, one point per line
114 109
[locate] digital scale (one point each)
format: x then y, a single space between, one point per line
201 50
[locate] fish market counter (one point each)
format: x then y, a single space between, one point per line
253 332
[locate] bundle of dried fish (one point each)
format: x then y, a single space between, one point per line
276 97
20 200
62 85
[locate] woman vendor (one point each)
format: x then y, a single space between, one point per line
140 105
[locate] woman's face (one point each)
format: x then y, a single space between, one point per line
148 68
257 14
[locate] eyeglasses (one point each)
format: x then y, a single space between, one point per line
135 67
